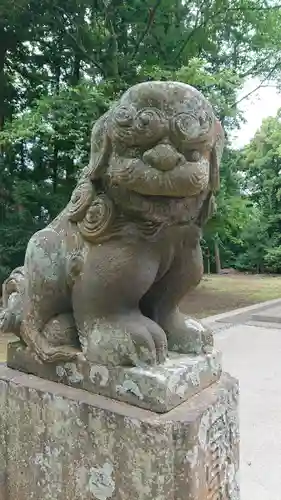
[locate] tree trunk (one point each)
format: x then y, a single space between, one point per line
55 169
3 52
208 265
217 256
75 78
208 261
113 62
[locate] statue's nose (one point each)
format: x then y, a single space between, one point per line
163 157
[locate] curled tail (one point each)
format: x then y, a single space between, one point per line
12 296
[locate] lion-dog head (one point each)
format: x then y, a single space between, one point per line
154 156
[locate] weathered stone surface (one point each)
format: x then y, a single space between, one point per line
159 388
61 443
106 276
3 435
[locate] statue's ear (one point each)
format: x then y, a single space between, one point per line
216 155
100 148
209 206
207 211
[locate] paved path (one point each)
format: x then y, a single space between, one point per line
253 355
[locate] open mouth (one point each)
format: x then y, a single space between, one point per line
159 197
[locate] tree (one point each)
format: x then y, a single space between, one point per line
261 161
62 62
223 236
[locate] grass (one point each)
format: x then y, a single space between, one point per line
217 294
220 293
4 339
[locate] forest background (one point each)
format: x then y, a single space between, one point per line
63 62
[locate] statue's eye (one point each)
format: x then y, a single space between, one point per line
137 127
148 118
191 125
185 126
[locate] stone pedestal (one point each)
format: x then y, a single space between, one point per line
62 443
158 388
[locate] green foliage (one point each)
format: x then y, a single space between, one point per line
255 242
219 86
63 61
47 145
233 211
261 162
60 121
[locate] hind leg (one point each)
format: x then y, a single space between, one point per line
48 327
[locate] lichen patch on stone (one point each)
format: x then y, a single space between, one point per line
98 481
99 374
129 386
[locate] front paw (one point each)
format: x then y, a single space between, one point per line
124 340
186 335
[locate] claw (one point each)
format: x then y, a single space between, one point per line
187 335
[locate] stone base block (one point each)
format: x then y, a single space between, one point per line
158 388
58 443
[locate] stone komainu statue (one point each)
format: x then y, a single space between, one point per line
106 276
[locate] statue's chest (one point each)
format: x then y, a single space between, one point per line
172 246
